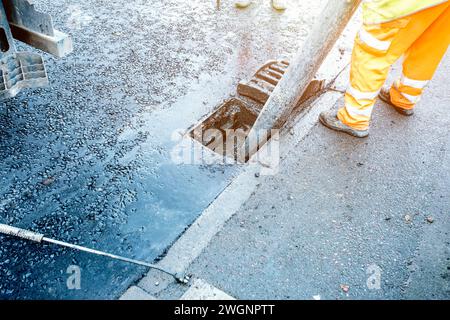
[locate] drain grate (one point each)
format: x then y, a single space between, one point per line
225 130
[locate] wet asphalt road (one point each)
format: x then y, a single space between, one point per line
341 208
87 160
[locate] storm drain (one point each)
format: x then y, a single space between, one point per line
262 84
225 130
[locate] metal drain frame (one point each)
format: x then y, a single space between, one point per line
250 99
21 70
232 114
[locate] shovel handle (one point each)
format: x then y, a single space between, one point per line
21 233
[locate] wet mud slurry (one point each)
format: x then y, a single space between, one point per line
88 159
226 128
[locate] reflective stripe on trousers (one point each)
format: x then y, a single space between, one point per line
422 38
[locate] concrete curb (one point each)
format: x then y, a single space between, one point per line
190 245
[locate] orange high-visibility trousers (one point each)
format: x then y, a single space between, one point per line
423 38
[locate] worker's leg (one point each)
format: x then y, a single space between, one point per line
376 48
421 61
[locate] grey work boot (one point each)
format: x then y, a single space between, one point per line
329 119
242 3
385 95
